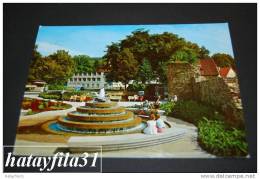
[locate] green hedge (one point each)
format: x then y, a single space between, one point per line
46 95
193 111
219 139
56 87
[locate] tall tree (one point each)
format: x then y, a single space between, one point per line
123 66
36 56
64 69
83 64
158 49
54 69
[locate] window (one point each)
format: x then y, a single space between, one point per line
88 85
84 79
79 79
75 79
93 79
98 79
93 85
98 85
89 79
71 79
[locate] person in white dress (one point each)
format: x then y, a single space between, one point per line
151 126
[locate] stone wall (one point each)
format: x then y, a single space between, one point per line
217 93
180 78
220 93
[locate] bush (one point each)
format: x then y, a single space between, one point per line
217 138
192 111
136 87
56 87
50 96
167 107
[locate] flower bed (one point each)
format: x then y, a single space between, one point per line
36 105
67 96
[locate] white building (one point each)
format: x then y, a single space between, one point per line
92 81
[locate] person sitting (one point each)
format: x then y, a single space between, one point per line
159 124
151 126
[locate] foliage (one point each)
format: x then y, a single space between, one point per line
54 69
155 48
223 60
136 87
193 111
217 138
36 57
58 67
167 107
46 95
122 65
185 54
83 64
145 73
56 87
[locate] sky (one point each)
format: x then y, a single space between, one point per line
92 40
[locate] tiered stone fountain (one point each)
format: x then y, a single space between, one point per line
100 117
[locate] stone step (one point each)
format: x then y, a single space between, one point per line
120 142
124 147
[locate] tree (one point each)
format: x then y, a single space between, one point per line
185 54
63 67
223 60
54 69
158 49
36 56
83 64
123 65
145 72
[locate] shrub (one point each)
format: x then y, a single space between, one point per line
217 138
192 111
167 107
56 87
136 87
46 95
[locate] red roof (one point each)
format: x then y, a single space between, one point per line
224 71
208 67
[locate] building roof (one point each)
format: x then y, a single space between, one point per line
208 67
224 71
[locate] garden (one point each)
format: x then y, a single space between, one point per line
214 134
78 96
34 106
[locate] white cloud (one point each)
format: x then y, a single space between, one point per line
47 48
